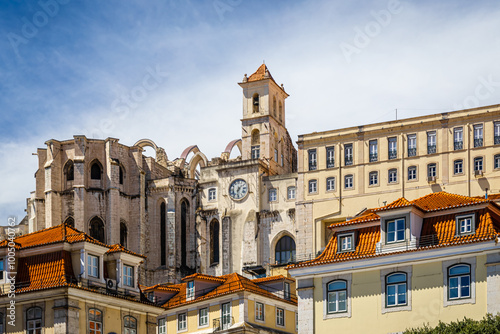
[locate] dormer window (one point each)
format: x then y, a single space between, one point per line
255 102
465 224
396 230
128 275
346 242
93 266
190 289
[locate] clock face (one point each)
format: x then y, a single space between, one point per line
238 189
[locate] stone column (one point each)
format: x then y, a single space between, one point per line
493 283
226 246
66 316
305 298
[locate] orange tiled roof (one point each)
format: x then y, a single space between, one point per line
269 279
437 231
116 248
204 277
260 74
161 287
232 283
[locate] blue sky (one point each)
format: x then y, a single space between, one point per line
167 70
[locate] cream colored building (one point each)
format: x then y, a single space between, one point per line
59 280
227 304
343 172
403 265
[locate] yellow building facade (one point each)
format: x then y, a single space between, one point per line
343 172
403 265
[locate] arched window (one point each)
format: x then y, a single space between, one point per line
34 320
285 250
95 321
121 174
184 217
214 241
274 106
255 102
130 325
459 280
163 234
69 171
123 234
337 296
70 222
96 229
95 171
395 289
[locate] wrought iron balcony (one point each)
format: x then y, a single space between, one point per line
478 142
431 149
373 157
222 323
330 163
458 145
412 151
393 154
348 161
497 140
312 166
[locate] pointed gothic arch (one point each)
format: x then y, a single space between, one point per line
96 229
214 241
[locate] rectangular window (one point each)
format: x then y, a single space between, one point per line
280 317
478 164
313 160
286 291
330 184
349 182
478 135
162 327
412 145
93 265
291 192
412 173
458 167
348 155
212 194
128 275
181 322
396 230
373 178
373 150
458 138
190 289
431 142
393 148
256 152
497 161
313 186
393 175
431 171
330 157
496 130
226 315
273 197
465 224
203 317
259 311
346 242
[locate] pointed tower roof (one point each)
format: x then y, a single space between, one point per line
262 73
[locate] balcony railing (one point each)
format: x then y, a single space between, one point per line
478 142
431 149
458 145
330 163
393 154
412 151
348 161
223 323
312 166
373 157
497 140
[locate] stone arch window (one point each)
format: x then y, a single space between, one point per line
255 102
96 229
214 241
255 144
69 170
70 222
163 234
95 321
95 170
121 174
285 250
184 222
123 234
274 106
34 319
130 325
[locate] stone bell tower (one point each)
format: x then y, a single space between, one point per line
264 135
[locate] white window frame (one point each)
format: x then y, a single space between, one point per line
458 163
260 314
478 164
291 192
330 184
313 186
496 161
393 175
393 147
328 279
471 218
373 178
330 157
412 143
348 154
182 322
190 290
408 270
346 242
92 268
255 151
162 326
273 195
203 318
212 194
313 159
349 181
128 275
280 317
446 265
432 167
478 134
396 230
414 175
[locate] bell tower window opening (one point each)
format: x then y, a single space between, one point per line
255 103
255 144
214 242
69 170
123 234
120 175
96 229
95 171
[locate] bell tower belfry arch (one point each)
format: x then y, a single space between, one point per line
264 134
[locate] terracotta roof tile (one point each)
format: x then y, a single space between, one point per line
161 287
203 277
260 74
269 279
116 248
